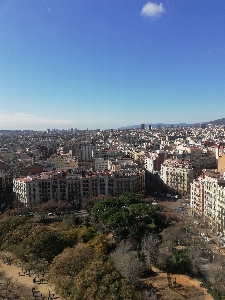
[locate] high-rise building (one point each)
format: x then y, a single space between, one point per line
203 126
142 126
149 127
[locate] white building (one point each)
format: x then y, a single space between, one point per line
208 198
75 188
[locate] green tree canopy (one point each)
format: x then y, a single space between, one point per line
44 243
8 224
126 216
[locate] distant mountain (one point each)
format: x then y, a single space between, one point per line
131 127
155 125
217 122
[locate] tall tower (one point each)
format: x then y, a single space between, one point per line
142 126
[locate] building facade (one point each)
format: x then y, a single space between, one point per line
208 199
178 175
76 187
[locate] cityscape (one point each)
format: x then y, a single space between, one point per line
76 165
112 150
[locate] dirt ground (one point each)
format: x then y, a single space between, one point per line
184 288
12 271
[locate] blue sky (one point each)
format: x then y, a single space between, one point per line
110 63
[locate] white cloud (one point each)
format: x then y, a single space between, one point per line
153 10
20 121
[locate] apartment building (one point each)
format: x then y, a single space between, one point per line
63 161
195 156
106 154
154 160
101 164
26 190
87 152
76 187
208 198
221 163
197 196
178 175
129 181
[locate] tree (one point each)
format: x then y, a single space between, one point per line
44 243
194 254
119 223
100 245
8 225
127 263
54 206
18 234
124 217
67 265
101 211
148 248
128 198
87 205
101 281
170 238
179 262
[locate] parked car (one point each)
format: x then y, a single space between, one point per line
196 223
180 209
208 240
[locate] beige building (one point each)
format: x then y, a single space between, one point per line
63 162
197 196
101 164
221 163
178 175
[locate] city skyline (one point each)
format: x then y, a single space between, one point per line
108 64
